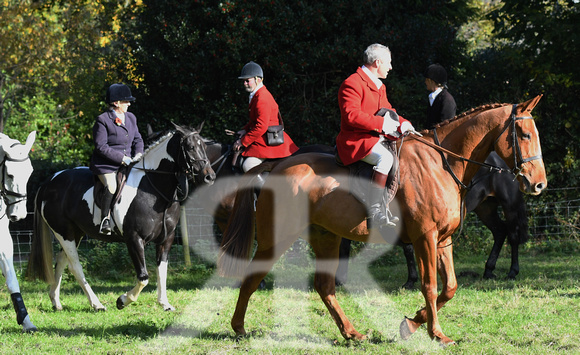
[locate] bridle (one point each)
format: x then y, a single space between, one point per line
185 161
189 161
4 192
519 160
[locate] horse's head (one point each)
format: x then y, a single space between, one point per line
519 145
16 170
193 159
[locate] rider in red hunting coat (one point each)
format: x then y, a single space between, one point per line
263 113
363 132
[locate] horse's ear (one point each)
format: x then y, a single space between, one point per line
149 130
529 105
30 140
178 128
200 127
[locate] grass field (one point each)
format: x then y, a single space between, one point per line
539 313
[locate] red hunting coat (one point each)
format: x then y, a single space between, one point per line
264 113
359 100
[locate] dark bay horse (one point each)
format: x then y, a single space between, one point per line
309 192
148 211
489 190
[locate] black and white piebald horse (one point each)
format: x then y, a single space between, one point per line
16 170
147 211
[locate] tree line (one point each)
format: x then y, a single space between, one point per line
182 58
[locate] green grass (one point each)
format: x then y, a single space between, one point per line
539 313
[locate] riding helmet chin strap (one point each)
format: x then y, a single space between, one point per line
19 307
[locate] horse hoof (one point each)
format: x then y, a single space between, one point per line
120 304
407 328
169 309
32 329
445 341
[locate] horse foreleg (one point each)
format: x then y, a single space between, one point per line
487 211
131 296
412 276
162 286
498 240
54 293
7 265
326 249
75 267
515 265
136 248
431 260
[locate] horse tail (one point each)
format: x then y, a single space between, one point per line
238 238
41 254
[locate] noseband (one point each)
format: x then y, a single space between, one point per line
519 160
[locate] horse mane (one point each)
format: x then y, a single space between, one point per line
158 142
471 112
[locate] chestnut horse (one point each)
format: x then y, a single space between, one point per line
310 192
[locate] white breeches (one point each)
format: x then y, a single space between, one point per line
110 181
250 162
381 157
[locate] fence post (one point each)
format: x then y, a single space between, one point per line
184 236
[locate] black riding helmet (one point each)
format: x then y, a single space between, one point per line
437 73
251 70
119 92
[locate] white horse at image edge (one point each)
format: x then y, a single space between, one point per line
16 170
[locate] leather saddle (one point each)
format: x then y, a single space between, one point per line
99 189
360 174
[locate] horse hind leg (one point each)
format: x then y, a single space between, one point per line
326 248
257 269
412 276
69 247
54 293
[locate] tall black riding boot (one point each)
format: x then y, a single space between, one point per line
375 200
106 200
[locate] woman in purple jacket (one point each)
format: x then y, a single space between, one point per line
117 142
